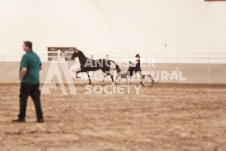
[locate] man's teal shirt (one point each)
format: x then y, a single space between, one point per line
32 62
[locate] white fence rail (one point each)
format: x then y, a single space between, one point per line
171 57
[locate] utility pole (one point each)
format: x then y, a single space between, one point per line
165 51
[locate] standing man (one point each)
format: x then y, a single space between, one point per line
29 78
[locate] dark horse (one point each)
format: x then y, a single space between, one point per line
93 65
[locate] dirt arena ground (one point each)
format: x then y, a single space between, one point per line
165 117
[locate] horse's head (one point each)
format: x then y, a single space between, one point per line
75 54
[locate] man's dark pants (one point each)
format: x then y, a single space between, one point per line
27 90
133 70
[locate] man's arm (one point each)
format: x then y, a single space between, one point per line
23 73
23 66
40 66
133 63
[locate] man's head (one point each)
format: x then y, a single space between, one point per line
137 56
27 45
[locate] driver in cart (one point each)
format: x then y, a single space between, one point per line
134 67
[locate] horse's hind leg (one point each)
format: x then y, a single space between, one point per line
104 71
88 77
109 73
104 78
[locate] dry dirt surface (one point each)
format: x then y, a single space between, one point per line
165 117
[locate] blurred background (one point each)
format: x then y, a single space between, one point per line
167 30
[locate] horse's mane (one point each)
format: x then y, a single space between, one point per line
83 57
82 54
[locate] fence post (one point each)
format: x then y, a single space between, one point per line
177 54
58 55
3 56
209 58
165 51
157 57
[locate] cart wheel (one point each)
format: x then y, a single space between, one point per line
147 81
122 80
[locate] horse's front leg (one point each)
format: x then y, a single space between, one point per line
77 73
88 77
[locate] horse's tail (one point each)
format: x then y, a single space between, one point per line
117 66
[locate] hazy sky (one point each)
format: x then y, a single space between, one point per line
101 26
